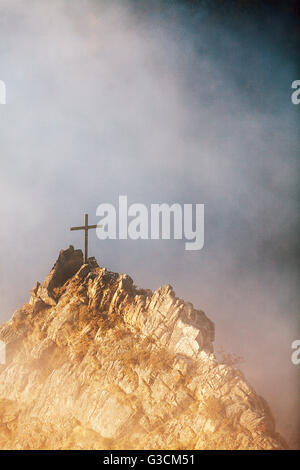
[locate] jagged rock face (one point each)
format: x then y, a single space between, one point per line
67 264
93 362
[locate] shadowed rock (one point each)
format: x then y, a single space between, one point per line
67 264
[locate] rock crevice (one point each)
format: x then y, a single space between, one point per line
95 362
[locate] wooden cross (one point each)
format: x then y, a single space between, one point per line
86 228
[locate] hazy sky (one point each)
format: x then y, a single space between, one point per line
162 105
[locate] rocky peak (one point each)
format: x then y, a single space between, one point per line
68 263
92 356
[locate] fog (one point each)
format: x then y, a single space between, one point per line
103 100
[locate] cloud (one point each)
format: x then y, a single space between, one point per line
105 100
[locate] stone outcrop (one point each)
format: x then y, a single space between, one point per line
94 362
67 264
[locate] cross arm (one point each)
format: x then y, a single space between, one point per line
84 228
77 228
94 226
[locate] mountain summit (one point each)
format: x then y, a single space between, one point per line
93 362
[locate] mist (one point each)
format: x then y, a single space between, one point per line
102 100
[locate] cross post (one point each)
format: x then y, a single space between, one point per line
86 227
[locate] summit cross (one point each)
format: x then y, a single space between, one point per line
86 227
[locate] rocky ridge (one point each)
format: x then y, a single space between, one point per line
93 362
